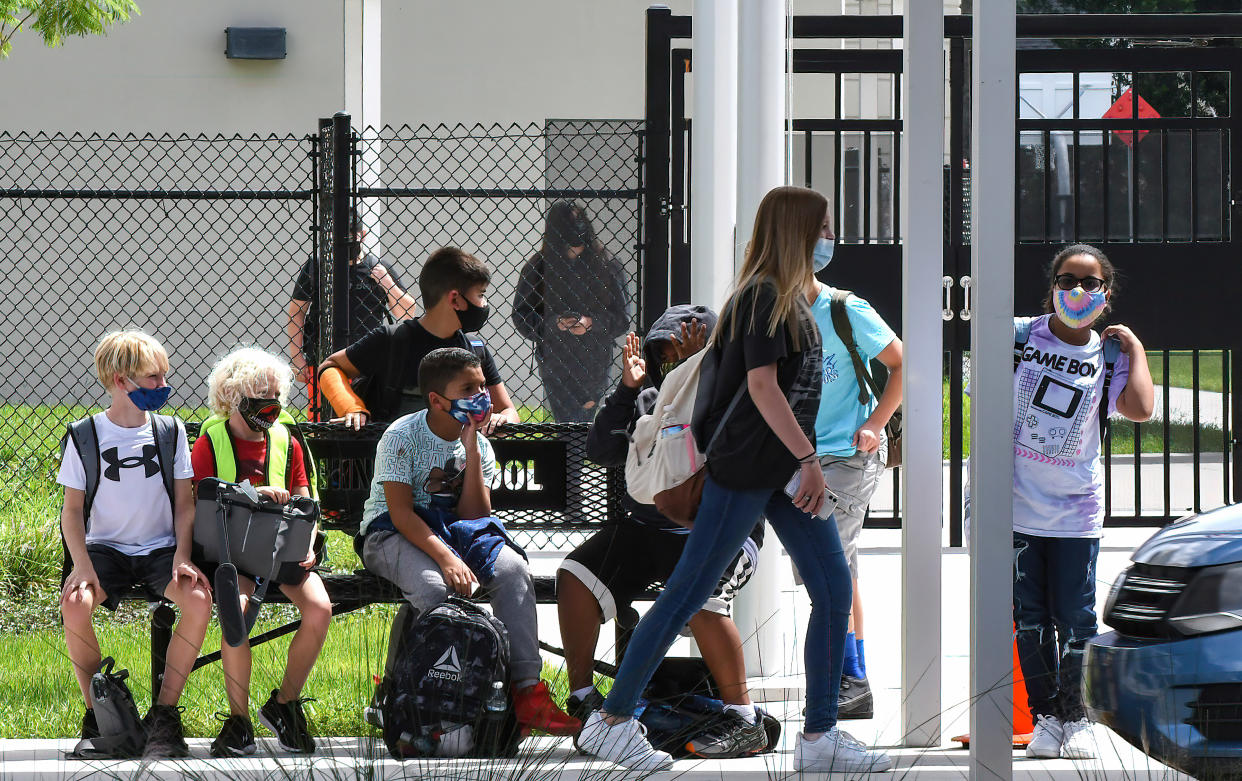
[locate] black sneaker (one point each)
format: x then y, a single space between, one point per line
90 727
236 738
854 700
731 736
580 708
288 723
165 738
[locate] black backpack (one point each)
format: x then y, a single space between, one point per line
453 655
122 735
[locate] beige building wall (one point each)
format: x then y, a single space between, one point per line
165 71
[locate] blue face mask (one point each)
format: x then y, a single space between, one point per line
473 409
822 255
149 399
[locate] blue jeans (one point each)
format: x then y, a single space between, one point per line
1054 613
724 519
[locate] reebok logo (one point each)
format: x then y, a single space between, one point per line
448 668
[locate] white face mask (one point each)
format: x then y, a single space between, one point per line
822 255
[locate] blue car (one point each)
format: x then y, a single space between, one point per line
1169 679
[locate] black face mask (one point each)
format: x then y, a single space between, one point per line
259 414
473 316
579 233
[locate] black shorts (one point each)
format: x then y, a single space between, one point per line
119 572
620 563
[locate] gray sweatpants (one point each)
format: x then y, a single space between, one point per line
512 594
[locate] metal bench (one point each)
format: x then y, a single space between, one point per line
545 489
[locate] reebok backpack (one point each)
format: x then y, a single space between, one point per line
454 654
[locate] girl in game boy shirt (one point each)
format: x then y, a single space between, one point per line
1060 383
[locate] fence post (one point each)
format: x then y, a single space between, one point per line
342 236
654 295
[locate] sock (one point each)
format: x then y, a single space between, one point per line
582 693
851 667
862 658
745 711
524 684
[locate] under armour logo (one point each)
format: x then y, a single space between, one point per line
116 464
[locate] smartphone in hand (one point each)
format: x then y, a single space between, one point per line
830 499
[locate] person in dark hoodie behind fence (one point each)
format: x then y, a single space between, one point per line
571 302
609 570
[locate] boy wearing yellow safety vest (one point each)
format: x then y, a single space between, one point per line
249 437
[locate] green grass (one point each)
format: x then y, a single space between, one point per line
1181 369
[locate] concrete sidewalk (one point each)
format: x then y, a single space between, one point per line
880 569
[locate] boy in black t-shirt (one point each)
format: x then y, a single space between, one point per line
453 284
375 294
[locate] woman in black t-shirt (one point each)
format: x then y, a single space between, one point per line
762 379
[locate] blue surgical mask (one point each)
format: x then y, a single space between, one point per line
473 409
822 255
149 399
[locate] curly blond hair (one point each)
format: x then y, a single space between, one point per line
244 372
130 354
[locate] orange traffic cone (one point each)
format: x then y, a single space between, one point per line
1022 725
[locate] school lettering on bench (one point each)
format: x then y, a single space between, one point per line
530 474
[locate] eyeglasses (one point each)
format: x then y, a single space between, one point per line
1088 284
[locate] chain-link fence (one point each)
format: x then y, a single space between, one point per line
201 241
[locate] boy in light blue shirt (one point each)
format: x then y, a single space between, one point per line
852 447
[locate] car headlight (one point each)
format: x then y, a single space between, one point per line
1212 601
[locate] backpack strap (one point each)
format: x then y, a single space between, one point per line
85 440
1112 351
845 332
165 430
1021 335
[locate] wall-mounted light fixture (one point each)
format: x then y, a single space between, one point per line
254 43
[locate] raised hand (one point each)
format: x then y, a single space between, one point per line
633 366
693 338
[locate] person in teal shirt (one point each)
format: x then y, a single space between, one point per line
852 448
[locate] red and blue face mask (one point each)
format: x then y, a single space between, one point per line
472 409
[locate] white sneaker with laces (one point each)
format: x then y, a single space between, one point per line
1046 739
1079 740
838 752
625 744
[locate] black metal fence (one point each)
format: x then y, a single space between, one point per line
199 240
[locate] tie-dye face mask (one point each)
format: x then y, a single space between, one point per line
1078 308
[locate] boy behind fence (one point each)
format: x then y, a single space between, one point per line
127 523
428 525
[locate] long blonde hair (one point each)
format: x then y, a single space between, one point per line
787 225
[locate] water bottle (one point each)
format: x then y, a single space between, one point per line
497 703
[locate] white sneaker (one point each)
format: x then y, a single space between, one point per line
1046 739
1079 740
838 752
625 743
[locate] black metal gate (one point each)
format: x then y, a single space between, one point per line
1154 193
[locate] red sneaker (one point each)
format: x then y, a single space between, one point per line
535 709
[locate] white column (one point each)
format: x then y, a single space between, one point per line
760 167
363 101
713 182
991 425
922 207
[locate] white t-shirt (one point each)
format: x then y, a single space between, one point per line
410 452
1058 480
131 511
